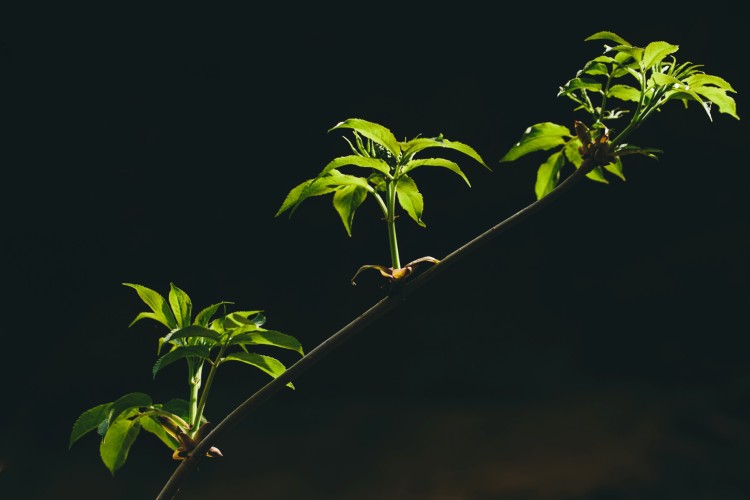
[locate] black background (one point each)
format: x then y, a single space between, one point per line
596 351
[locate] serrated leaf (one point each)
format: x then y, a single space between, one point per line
420 144
719 97
686 95
89 421
193 331
206 314
580 84
539 137
410 198
372 131
182 306
180 353
116 444
624 93
548 174
271 366
346 201
128 401
436 162
310 188
597 175
607 35
655 52
161 311
268 337
663 79
179 407
635 52
702 80
595 67
153 426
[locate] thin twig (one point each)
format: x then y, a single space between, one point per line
393 300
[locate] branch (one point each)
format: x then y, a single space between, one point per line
396 298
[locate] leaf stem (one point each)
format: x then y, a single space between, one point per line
206 389
194 380
390 220
393 300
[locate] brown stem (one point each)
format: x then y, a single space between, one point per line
172 487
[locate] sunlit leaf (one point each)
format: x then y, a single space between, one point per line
193 331
179 407
161 311
597 175
607 35
615 168
89 421
206 314
542 136
635 52
182 306
268 337
572 152
372 131
310 188
595 67
719 97
271 366
410 198
436 162
624 93
663 79
115 446
416 145
655 52
128 401
580 84
181 352
686 95
702 80
548 174
346 201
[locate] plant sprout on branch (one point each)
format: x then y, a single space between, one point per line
180 424
659 79
392 164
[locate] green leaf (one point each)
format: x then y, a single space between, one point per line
655 52
686 95
88 421
539 137
410 198
180 352
436 162
615 168
607 35
624 93
627 51
719 97
311 187
420 144
572 152
179 407
181 305
580 84
595 67
150 424
548 174
206 314
663 79
116 444
372 131
356 161
128 401
161 311
346 201
193 331
268 337
702 80
271 366
597 175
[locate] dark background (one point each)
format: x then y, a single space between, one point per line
596 351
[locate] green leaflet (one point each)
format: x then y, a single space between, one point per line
624 93
182 306
548 174
436 162
410 198
310 187
193 331
420 144
607 35
150 424
719 97
88 421
655 52
115 446
268 337
206 314
372 131
539 137
161 311
346 200
271 366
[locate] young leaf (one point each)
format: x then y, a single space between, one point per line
128 401
193 331
88 421
150 424
116 444
182 306
372 131
198 351
268 337
206 314
541 136
311 187
436 162
416 145
161 311
624 93
655 52
548 174
410 198
719 97
271 366
346 201
615 168
608 35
